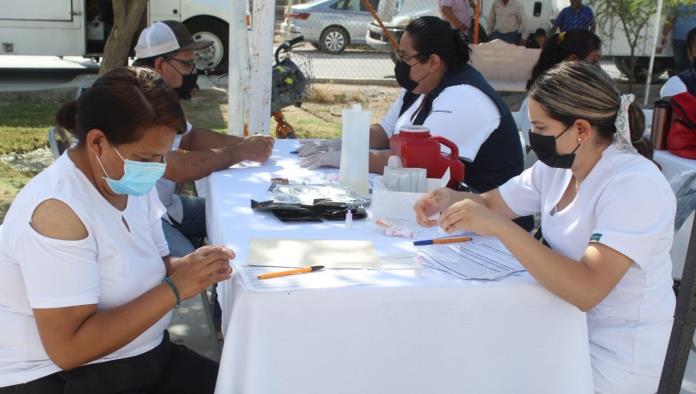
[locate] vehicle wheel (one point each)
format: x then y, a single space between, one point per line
214 58
623 63
334 40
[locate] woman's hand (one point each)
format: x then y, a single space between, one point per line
470 215
430 204
200 269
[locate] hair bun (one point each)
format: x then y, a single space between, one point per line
67 116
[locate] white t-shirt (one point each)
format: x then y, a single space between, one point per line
109 268
626 204
673 87
462 113
166 189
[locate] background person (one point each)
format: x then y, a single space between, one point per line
573 45
458 13
168 48
684 81
680 20
441 91
575 16
507 21
87 283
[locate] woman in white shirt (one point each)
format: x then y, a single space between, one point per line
607 216
86 281
442 91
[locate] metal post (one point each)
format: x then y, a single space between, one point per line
684 322
652 54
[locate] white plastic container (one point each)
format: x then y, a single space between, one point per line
355 150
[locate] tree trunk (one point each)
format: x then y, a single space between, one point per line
127 17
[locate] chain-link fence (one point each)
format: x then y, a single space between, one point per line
346 43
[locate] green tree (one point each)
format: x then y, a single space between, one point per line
632 18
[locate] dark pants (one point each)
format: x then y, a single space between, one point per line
511 38
166 369
681 60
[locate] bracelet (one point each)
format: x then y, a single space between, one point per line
171 285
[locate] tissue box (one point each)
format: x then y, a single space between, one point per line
396 205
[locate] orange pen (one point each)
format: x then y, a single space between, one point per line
438 241
296 271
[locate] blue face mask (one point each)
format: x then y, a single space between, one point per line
138 177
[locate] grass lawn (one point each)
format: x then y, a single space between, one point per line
24 123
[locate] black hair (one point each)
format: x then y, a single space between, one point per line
540 32
123 104
432 35
691 38
578 42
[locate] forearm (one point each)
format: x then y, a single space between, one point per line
189 166
109 330
378 137
378 160
569 279
201 138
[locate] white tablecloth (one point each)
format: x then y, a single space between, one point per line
673 165
408 331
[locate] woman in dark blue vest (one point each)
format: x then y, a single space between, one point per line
442 91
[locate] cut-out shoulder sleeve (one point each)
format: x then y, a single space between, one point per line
58 272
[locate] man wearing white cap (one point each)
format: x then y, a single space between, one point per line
168 48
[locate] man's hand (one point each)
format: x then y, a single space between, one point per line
258 148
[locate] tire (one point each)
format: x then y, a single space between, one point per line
334 40
623 63
214 58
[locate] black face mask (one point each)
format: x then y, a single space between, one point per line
188 82
403 76
545 148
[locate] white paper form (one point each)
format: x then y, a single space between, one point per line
484 258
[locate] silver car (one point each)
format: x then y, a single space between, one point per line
330 25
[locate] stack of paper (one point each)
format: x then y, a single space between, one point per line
484 258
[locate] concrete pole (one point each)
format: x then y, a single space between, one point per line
262 30
238 74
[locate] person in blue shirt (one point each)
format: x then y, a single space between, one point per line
680 20
575 16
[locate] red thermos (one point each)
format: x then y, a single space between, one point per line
418 149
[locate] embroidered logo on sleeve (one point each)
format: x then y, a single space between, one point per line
595 237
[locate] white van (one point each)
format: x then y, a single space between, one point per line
77 27
540 14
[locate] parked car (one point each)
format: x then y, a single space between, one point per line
329 25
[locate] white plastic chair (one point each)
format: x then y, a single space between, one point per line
58 141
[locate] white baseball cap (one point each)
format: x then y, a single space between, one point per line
165 37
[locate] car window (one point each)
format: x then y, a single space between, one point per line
373 3
352 5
